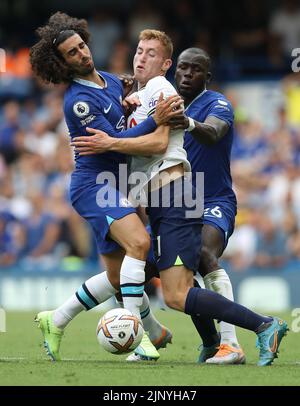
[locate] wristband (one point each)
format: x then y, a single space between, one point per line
192 124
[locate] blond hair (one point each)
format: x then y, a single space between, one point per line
160 36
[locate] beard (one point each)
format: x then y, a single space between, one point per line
82 70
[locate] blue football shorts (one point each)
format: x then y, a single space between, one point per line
176 237
220 215
99 205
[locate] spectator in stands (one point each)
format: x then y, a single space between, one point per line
249 33
294 245
241 248
291 90
42 229
106 30
15 82
142 16
10 240
40 140
119 60
284 31
11 135
271 250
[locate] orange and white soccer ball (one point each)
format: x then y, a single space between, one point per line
119 331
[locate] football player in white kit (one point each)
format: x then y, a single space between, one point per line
177 238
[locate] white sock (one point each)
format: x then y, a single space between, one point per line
219 282
94 291
150 323
132 279
66 312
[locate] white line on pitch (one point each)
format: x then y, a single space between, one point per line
12 358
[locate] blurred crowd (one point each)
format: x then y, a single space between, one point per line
265 168
37 224
38 227
244 37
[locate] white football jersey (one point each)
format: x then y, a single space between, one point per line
175 154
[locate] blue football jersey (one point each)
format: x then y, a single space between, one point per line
88 105
213 160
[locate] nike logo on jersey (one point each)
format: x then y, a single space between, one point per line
108 108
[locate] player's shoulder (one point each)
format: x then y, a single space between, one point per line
159 82
217 98
78 100
75 92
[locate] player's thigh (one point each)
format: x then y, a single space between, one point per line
131 234
101 214
176 282
218 220
212 240
211 250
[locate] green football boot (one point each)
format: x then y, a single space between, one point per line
161 342
52 334
146 350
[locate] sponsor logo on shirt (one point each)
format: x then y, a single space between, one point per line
88 120
221 107
121 125
106 110
152 103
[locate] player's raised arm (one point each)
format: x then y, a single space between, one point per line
153 143
211 131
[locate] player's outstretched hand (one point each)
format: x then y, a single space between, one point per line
130 103
179 122
128 82
167 109
97 143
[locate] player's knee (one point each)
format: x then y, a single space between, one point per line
208 261
174 300
138 246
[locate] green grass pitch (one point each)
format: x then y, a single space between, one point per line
23 361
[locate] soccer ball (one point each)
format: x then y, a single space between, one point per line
119 331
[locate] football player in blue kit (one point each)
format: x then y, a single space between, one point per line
208 121
176 236
95 98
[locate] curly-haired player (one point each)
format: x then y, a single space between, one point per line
62 55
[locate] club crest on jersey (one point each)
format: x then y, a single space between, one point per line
81 109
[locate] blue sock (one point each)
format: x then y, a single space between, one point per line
210 304
205 327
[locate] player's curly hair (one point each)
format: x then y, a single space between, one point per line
46 61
